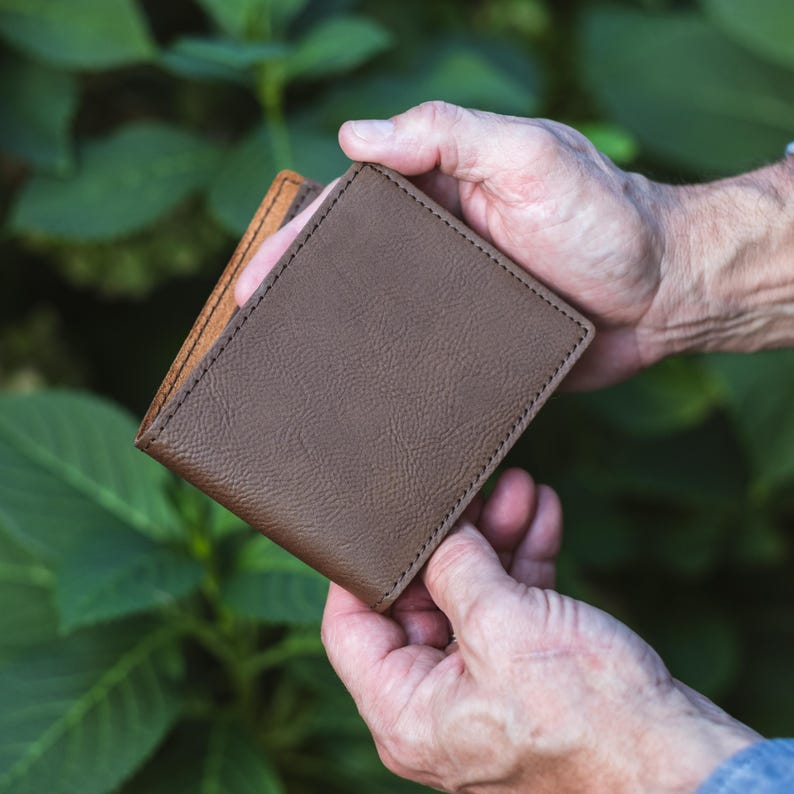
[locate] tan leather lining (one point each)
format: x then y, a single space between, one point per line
281 200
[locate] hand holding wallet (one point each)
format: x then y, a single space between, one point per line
353 407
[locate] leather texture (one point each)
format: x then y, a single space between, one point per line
375 379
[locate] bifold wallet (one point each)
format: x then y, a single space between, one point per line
352 408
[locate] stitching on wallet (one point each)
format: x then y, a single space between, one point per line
524 413
478 247
241 322
223 291
487 463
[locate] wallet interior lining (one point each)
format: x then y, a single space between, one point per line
288 194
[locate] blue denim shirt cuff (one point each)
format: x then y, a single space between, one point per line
766 767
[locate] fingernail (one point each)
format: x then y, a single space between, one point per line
373 130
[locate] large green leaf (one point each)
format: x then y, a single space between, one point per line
125 182
673 395
273 586
470 74
248 169
119 574
83 713
235 17
336 45
689 94
241 181
38 106
235 55
28 615
765 27
68 469
316 154
201 69
221 758
334 736
759 390
81 34
134 266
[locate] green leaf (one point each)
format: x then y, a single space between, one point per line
470 74
765 27
82 714
222 757
68 470
226 53
284 12
126 182
235 17
316 154
759 391
248 169
78 34
222 523
193 68
241 181
38 104
690 95
336 45
119 574
673 395
134 266
28 615
273 586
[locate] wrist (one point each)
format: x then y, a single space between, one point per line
691 737
727 270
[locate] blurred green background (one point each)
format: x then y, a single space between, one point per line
147 641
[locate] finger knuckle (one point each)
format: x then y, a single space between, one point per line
438 112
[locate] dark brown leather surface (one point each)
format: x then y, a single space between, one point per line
354 406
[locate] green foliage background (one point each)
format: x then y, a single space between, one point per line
149 642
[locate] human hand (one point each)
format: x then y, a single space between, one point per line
541 193
660 269
539 692
545 196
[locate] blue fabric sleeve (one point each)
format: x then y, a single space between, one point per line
766 767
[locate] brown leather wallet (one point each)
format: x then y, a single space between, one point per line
367 389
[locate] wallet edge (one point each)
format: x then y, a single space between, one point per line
196 344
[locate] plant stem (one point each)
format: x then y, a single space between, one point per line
222 648
291 646
272 101
270 89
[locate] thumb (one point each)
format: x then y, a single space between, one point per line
463 574
470 145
